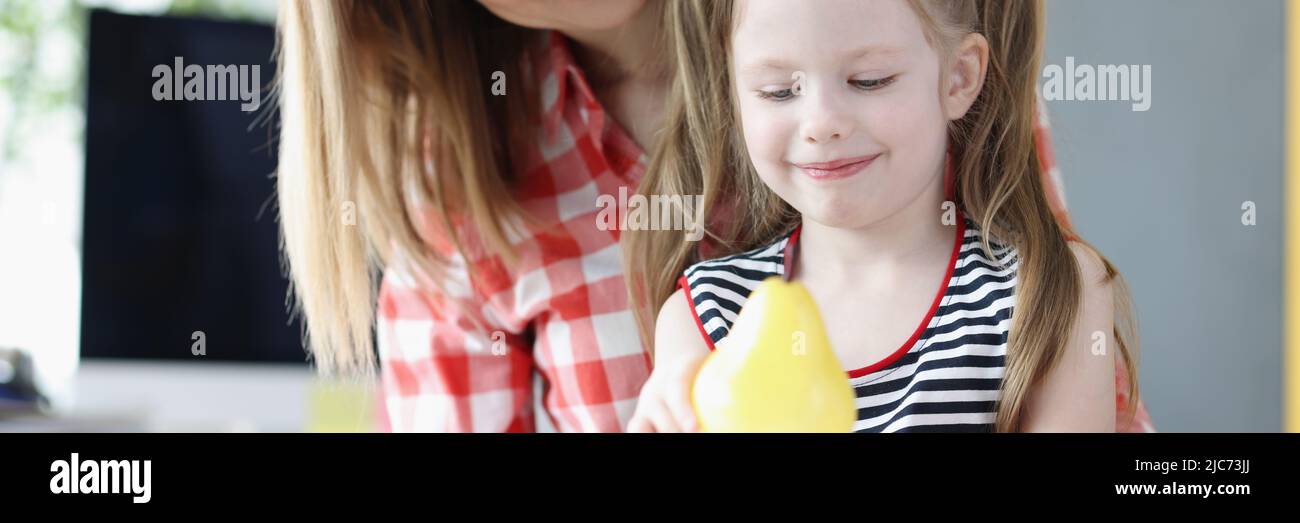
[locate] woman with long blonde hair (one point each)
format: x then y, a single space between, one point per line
458 146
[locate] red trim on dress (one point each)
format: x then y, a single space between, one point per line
686 285
934 307
790 253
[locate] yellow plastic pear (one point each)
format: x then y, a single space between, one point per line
775 371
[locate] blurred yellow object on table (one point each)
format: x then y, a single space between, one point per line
341 406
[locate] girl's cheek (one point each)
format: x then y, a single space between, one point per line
910 127
768 135
889 117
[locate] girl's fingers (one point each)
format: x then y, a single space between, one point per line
679 400
661 417
683 413
640 424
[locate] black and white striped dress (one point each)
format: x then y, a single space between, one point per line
945 378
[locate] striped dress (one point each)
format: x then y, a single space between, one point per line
944 378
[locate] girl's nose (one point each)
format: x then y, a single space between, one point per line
821 134
827 122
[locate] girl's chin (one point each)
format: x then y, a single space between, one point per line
838 216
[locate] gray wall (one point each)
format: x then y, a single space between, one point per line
1160 193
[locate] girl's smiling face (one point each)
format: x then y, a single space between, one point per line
841 105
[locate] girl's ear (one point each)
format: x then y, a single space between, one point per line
966 75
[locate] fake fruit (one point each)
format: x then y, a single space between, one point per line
775 371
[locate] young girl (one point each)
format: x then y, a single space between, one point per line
880 152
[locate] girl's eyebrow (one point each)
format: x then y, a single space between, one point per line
779 64
766 64
874 50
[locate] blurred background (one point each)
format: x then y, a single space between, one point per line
140 264
129 226
1161 192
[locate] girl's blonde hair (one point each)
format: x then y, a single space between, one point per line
368 90
998 180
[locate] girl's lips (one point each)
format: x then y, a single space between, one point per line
836 169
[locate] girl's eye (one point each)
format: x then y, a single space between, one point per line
778 95
872 85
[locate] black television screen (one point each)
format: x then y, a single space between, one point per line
180 238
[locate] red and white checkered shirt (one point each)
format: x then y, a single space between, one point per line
463 359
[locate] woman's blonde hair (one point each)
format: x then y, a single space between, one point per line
998 180
369 90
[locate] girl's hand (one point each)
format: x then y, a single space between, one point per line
665 402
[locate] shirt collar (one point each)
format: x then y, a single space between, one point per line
563 83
